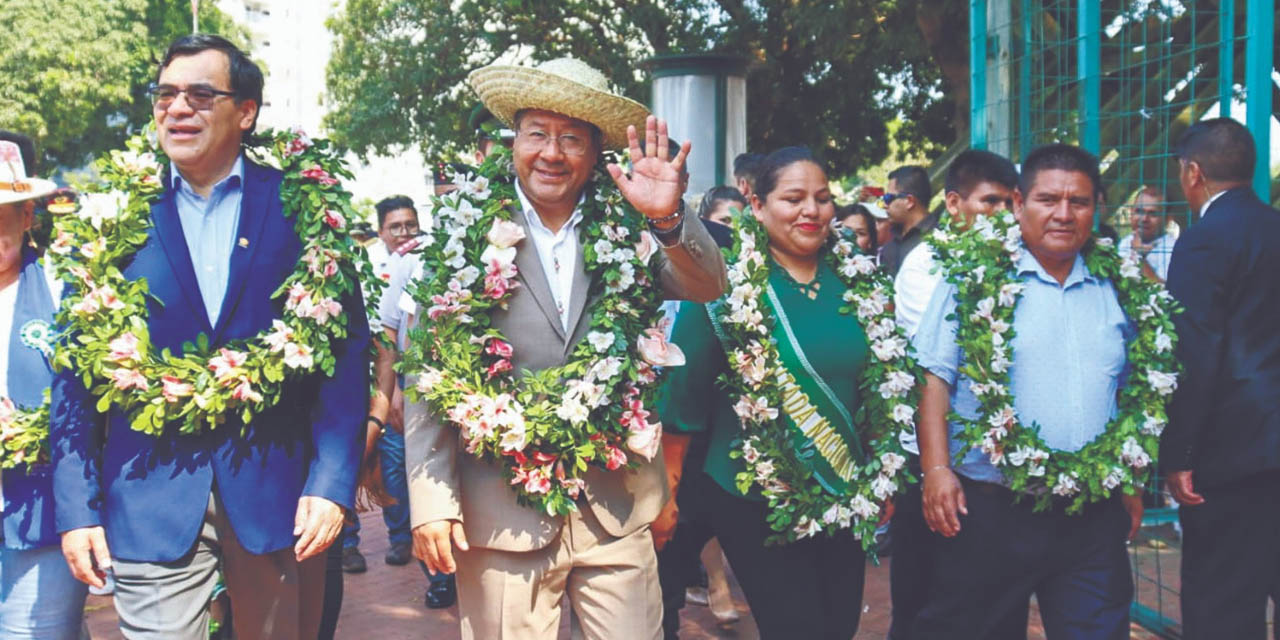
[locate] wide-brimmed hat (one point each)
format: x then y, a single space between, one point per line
15 184
567 86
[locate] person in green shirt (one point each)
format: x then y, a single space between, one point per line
811 587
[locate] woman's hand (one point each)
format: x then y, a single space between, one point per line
943 501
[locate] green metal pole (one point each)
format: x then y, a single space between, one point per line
1257 74
1024 85
978 74
1089 65
1226 55
722 114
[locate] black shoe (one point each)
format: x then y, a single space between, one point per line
441 595
398 554
352 561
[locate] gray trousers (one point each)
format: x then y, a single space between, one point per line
272 596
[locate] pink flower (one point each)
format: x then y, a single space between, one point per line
573 486
297 293
62 244
279 336
645 440
124 348
173 388
616 457
324 309
245 393
225 364
497 287
504 234
500 348
334 219
645 247
298 143
126 379
537 481
319 175
298 356
497 368
655 349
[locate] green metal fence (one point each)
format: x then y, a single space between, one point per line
1124 78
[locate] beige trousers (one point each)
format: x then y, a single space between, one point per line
273 597
612 585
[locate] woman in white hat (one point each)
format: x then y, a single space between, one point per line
38 596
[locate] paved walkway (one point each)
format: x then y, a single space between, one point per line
385 603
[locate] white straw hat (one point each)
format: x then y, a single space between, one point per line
567 86
15 185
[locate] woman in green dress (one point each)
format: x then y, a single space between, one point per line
764 479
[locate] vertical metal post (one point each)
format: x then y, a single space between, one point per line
195 16
1089 65
1258 61
1024 85
978 74
1226 55
722 114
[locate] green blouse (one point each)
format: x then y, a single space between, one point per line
692 401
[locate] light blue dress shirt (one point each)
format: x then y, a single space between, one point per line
210 225
1068 359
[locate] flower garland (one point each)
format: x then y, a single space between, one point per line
889 385
24 434
981 263
107 340
545 428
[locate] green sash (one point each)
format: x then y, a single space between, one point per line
822 428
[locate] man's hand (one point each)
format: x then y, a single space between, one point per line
1133 505
654 187
87 555
943 501
1179 483
317 524
886 514
395 417
433 544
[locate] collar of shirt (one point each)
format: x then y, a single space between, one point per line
233 179
557 252
1028 264
1205 207
535 221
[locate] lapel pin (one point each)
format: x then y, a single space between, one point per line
244 243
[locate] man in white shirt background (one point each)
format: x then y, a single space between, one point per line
1148 214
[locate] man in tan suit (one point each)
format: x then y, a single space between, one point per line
515 564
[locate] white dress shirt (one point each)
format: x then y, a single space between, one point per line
1159 256
557 251
913 287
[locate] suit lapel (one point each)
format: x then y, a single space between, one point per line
168 228
529 272
254 208
581 287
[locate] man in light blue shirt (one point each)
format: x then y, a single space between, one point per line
209 225
1068 360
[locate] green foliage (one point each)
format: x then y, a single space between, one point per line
73 75
827 74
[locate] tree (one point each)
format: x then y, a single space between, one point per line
828 74
73 75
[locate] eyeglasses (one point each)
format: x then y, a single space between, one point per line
570 145
199 96
403 229
890 197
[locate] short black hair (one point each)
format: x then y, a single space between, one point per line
773 164
973 167
1063 157
26 147
747 165
716 195
246 77
1222 147
914 180
387 205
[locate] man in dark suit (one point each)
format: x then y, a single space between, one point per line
260 502
1221 448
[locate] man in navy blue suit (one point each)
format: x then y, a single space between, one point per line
260 502
1221 449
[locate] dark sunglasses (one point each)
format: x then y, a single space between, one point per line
890 197
199 97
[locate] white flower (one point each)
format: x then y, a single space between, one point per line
605 370
494 255
896 384
1009 294
466 213
863 508
764 470
749 452
1105 242
979 273
1000 360
882 328
1152 425
883 486
807 527
1163 383
1164 343
1114 479
600 340
1129 267
101 207
1005 417
513 439
479 188
604 250
999 327
903 413
505 233
626 277
889 348
984 309
467 275
572 411
428 379
891 462
298 356
1133 454
1066 485
870 307
453 253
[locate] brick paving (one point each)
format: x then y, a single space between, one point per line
385 603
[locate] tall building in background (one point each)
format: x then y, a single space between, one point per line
290 39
